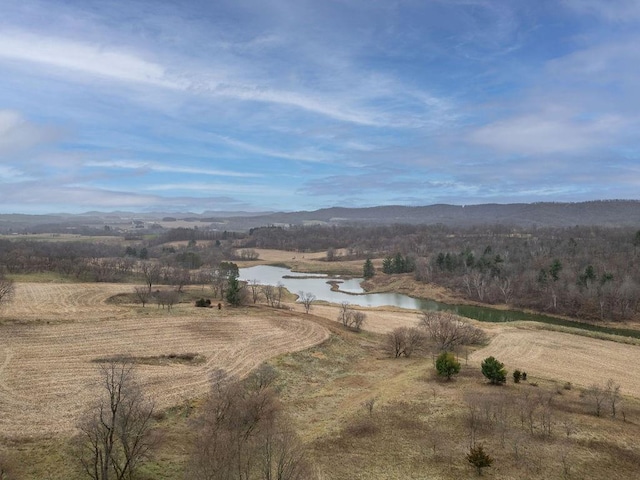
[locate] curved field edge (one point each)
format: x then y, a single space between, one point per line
48 369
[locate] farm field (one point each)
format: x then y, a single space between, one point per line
53 333
48 358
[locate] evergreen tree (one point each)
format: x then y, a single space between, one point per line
494 371
234 291
479 459
447 365
368 269
387 265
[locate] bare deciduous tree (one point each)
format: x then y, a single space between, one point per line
613 395
350 318
255 290
7 289
449 331
115 435
142 294
404 341
242 434
151 272
306 299
166 298
596 396
269 293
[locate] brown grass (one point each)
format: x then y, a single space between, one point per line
418 427
47 359
564 357
51 335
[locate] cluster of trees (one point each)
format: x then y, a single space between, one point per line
398 264
241 433
586 272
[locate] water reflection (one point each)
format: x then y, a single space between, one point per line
351 292
349 289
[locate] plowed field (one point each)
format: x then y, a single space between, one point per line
53 333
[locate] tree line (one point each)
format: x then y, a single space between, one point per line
584 272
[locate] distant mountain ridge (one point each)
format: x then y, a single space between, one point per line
609 213
605 213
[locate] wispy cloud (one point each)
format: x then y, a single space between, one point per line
306 104
157 167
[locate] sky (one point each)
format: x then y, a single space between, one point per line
287 105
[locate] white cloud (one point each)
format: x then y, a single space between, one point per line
93 59
17 133
546 133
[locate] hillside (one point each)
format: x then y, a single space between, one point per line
610 213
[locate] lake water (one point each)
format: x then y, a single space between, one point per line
351 292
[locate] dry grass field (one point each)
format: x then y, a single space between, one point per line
52 334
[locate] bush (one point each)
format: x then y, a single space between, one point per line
494 371
203 303
517 375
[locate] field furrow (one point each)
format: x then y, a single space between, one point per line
49 373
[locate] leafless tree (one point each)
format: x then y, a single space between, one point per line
506 288
279 293
269 293
306 299
7 289
179 277
166 298
596 396
142 294
115 435
248 254
242 434
151 272
613 395
449 331
350 318
404 341
255 290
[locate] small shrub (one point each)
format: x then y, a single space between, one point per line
363 427
203 303
517 375
478 458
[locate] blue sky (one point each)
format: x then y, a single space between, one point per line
227 105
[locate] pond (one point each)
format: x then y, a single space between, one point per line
350 291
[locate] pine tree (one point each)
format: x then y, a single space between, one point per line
478 458
368 269
234 291
447 365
